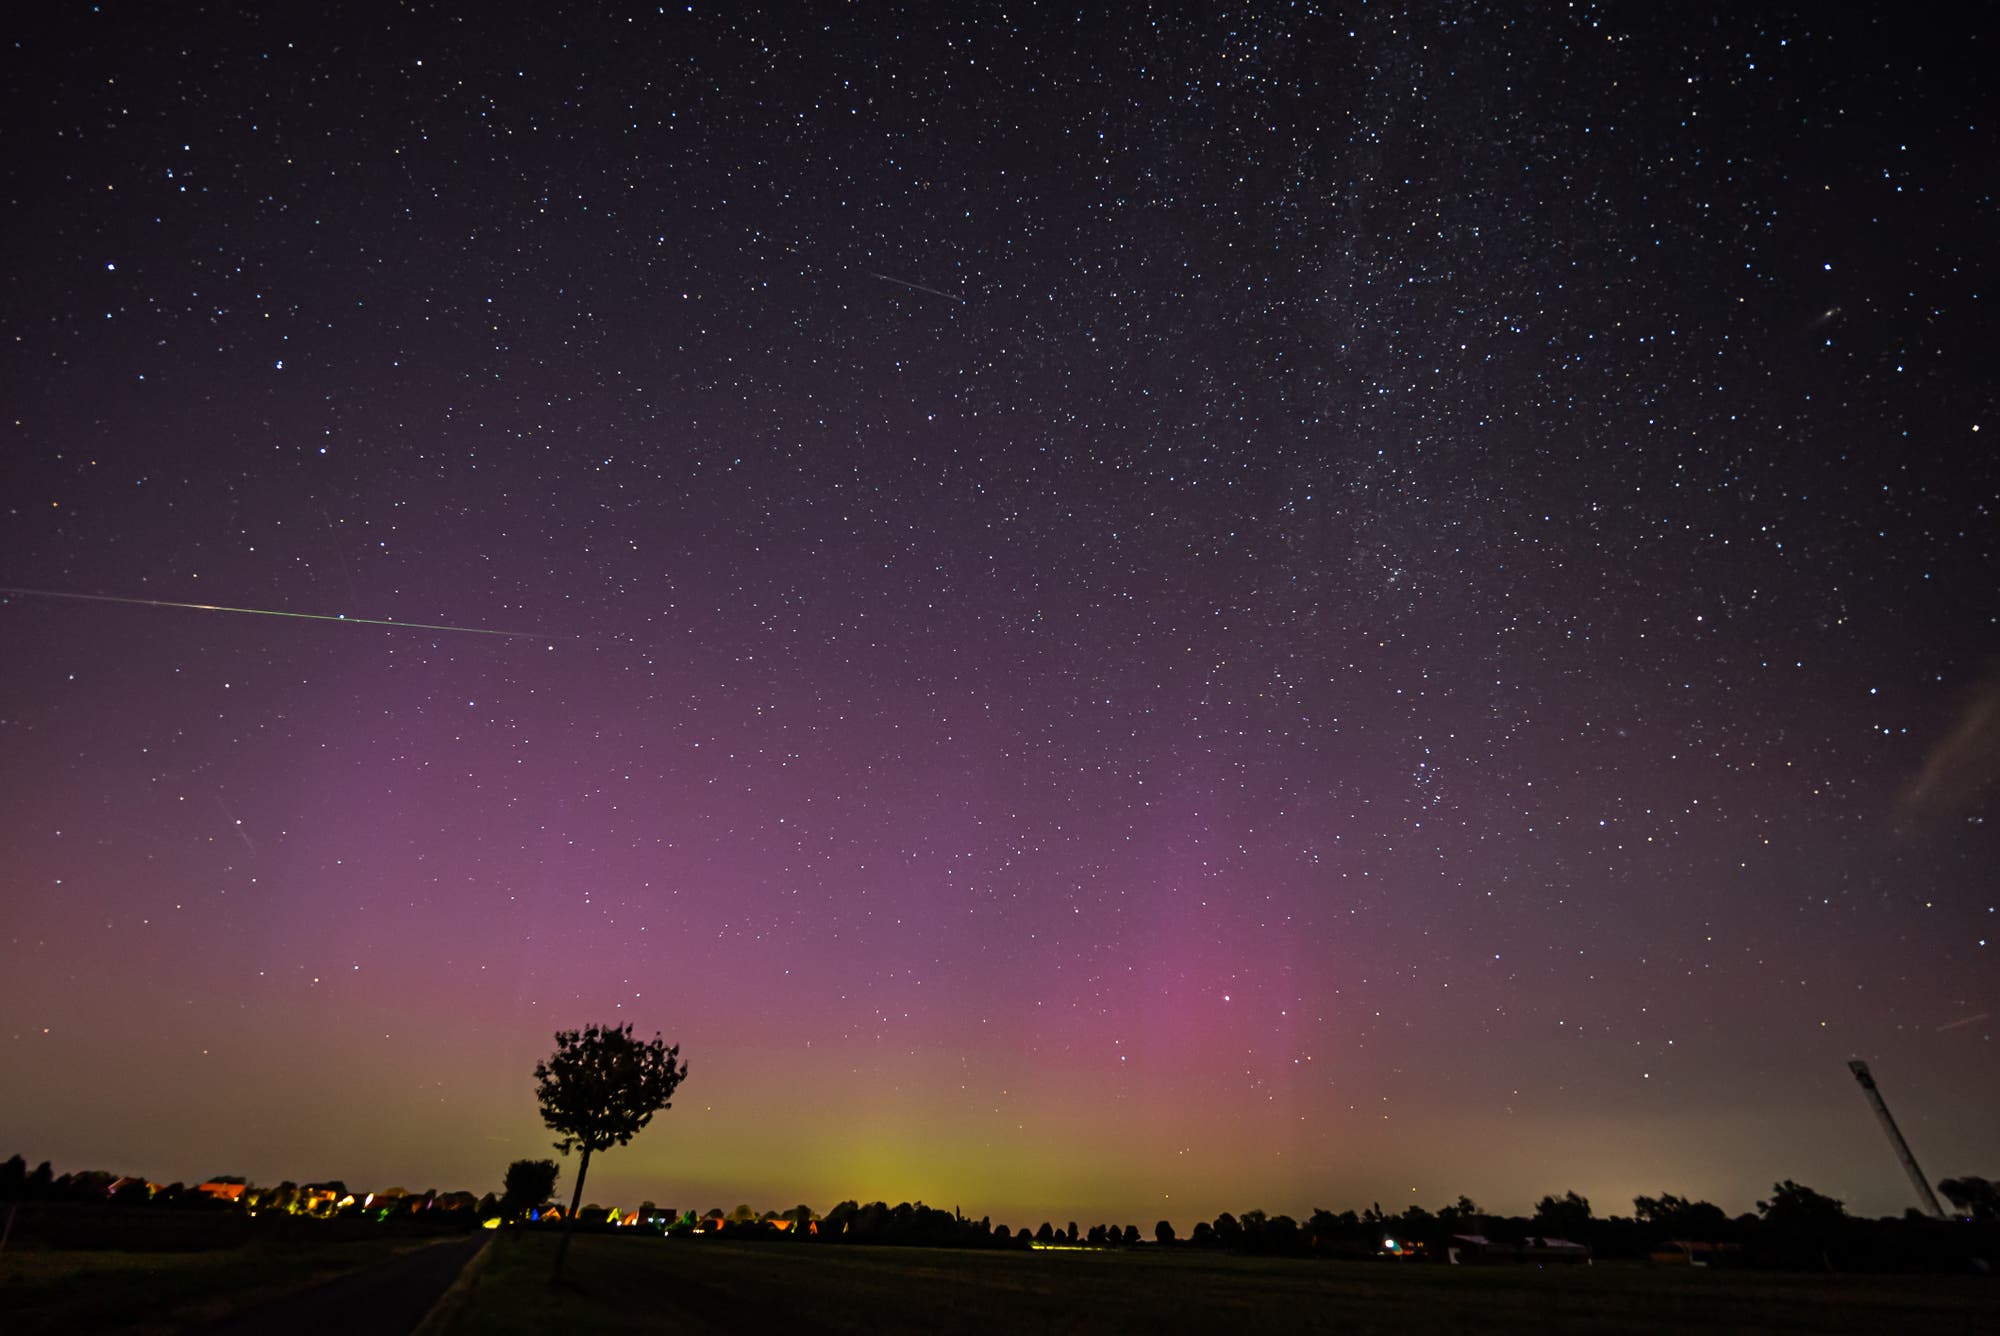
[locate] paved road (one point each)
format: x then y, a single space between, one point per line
387 1299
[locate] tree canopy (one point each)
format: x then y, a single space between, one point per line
601 1086
1975 1198
1567 1216
528 1184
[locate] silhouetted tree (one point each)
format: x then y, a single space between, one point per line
1203 1236
1071 1232
599 1089
1803 1224
1163 1232
1975 1198
41 1183
1322 1227
1461 1217
836 1222
1674 1217
1131 1236
1227 1232
1564 1218
528 1184
1046 1234
13 1178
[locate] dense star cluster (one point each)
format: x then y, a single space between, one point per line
1134 612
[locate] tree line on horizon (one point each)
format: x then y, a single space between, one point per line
1795 1227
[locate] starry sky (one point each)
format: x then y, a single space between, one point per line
1104 613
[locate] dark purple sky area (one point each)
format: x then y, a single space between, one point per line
1103 616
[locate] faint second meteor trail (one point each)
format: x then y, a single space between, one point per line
904 282
266 612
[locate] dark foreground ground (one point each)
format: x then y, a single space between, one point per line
651 1284
72 1291
389 1298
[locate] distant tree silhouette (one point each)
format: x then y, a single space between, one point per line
599 1089
1228 1233
1567 1217
1674 1217
1251 1238
1975 1198
1803 1225
41 1183
1345 1233
1046 1234
13 1178
1131 1236
1203 1236
527 1185
1461 1217
1163 1232
1071 1233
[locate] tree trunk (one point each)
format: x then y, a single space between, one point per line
569 1221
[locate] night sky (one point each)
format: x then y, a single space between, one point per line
1104 615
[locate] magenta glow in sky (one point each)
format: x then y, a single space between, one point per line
1125 619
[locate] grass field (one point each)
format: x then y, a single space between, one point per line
651 1284
51 1291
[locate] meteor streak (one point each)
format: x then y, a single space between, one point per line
265 612
904 282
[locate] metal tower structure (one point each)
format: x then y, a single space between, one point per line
1917 1180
